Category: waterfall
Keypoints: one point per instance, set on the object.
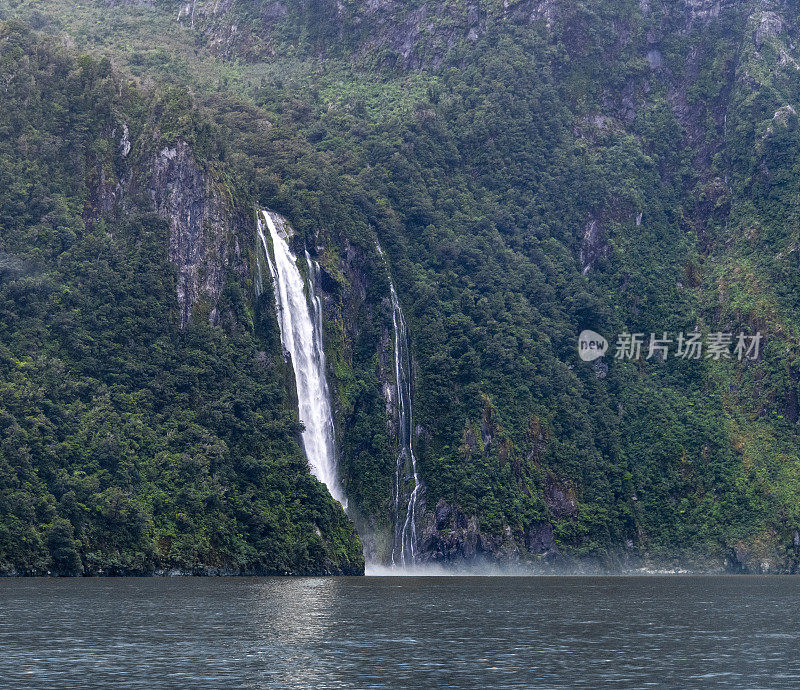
(405, 530)
(300, 322)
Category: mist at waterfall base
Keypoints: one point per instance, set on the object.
(483, 567)
(473, 569)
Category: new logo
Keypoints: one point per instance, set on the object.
(591, 346)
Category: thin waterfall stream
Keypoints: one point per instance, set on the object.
(405, 531)
(300, 321)
(299, 313)
(404, 550)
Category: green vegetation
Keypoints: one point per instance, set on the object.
(480, 171)
(125, 439)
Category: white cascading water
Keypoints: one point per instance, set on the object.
(300, 321)
(405, 530)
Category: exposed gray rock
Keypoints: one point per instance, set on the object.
(593, 246)
(559, 499)
(443, 513)
(201, 241)
(737, 560)
(769, 25)
(540, 540)
(533, 10)
(654, 58)
(707, 10)
(451, 536)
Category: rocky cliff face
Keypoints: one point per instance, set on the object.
(409, 35)
(450, 536)
(204, 222)
(413, 35)
(202, 243)
(203, 219)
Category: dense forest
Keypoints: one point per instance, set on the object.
(129, 443)
(529, 169)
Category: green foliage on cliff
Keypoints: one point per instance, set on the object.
(482, 193)
(585, 165)
(126, 443)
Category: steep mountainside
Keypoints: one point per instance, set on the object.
(135, 435)
(529, 169)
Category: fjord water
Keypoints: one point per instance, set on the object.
(356, 632)
(300, 322)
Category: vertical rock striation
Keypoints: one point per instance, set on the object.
(202, 244)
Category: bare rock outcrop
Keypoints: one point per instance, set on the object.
(202, 243)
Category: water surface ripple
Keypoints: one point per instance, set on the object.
(358, 632)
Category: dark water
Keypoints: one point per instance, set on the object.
(423, 632)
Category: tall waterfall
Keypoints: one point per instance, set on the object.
(405, 528)
(300, 321)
